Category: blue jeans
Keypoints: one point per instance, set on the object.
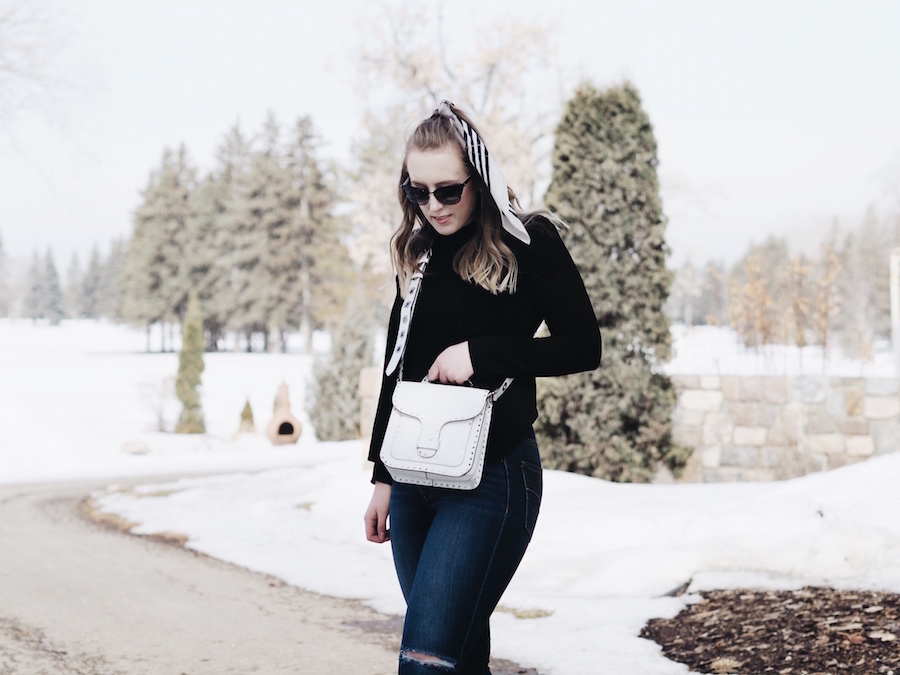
(455, 552)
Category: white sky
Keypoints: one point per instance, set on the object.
(770, 116)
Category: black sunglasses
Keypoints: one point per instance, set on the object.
(448, 195)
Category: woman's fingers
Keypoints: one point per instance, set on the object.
(453, 365)
(376, 527)
(377, 514)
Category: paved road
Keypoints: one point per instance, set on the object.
(76, 597)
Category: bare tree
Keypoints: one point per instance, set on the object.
(687, 288)
(826, 299)
(752, 304)
(797, 286)
(406, 65)
(33, 37)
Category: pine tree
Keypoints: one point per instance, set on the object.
(202, 270)
(687, 290)
(865, 259)
(614, 422)
(109, 298)
(212, 233)
(190, 369)
(90, 285)
(73, 293)
(52, 300)
(34, 292)
(257, 215)
(712, 306)
(333, 400)
(154, 287)
(317, 269)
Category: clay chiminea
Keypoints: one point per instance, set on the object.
(283, 428)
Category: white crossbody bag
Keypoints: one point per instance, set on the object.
(437, 433)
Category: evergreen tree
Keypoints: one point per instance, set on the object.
(314, 268)
(90, 285)
(864, 285)
(712, 305)
(202, 271)
(685, 295)
(257, 216)
(333, 399)
(153, 283)
(52, 300)
(212, 232)
(34, 291)
(73, 294)
(190, 369)
(109, 292)
(614, 422)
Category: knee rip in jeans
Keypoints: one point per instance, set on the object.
(428, 660)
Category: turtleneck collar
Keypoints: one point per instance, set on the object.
(453, 242)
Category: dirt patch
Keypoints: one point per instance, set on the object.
(25, 649)
(89, 509)
(812, 631)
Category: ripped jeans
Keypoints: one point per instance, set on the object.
(455, 552)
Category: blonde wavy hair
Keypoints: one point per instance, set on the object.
(486, 259)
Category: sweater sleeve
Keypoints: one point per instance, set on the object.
(388, 383)
(555, 287)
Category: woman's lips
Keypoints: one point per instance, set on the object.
(442, 220)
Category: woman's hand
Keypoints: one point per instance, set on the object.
(377, 514)
(453, 365)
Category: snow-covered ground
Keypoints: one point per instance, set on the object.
(603, 557)
(711, 350)
(82, 399)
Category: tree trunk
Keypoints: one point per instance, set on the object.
(306, 311)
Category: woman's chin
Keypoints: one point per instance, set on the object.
(445, 227)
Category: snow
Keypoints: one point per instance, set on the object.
(72, 397)
(712, 350)
(603, 557)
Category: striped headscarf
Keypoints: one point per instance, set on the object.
(488, 169)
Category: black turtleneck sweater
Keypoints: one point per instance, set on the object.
(500, 332)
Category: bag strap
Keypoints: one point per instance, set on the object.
(406, 312)
(406, 317)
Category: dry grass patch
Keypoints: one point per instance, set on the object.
(90, 510)
(524, 613)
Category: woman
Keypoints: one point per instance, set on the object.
(494, 275)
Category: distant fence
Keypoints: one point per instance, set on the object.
(765, 428)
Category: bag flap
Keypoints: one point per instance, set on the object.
(448, 402)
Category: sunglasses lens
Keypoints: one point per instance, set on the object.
(417, 195)
(449, 195)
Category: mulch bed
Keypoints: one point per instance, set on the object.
(812, 631)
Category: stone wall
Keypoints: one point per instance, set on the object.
(765, 428)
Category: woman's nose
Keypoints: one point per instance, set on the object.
(434, 204)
